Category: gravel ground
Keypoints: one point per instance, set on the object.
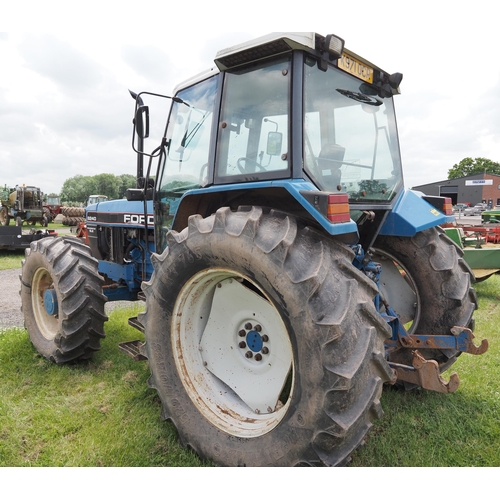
(10, 300)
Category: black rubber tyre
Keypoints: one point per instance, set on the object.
(48, 214)
(226, 277)
(65, 267)
(4, 216)
(432, 266)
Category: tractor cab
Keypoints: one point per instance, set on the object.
(290, 118)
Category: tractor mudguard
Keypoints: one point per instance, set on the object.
(298, 191)
(412, 214)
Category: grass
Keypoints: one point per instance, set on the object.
(423, 428)
(11, 259)
(99, 413)
(102, 413)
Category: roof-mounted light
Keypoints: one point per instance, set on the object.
(334, 45)
(331, 48)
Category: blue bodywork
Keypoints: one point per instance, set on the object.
(412, 214)
(127, 220)
(409, 214)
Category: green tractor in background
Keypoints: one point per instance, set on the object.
(23, 204)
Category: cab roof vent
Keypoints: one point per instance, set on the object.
(253, 54)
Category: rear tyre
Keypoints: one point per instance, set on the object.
(263, 341)
(428, 283)
(62, 299)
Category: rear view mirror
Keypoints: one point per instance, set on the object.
(142, 121)
(274, 143)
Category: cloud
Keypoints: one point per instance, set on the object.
(65, 108)
(441, 126)
(150, 62)
(61, 114)
(69, 69)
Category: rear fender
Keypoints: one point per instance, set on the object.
(412, 214)
(283, 195)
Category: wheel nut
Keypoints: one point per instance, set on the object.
(265, 338)
(248, 326)
(242, 333)
(258, 357)
(265, 350)
(257, 328)
(242, 345)
(248, 354)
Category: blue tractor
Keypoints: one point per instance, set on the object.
(286, 272)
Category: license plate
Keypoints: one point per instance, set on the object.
(356, 68)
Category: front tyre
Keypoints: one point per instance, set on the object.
(62, 299)
(263, 341)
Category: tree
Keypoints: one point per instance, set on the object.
(469, 166)
(126, 181)
(106, 184)
(78, 188)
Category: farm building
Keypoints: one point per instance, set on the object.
(472, 189)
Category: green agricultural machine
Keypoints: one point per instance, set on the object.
(481, 248)
(23, 204)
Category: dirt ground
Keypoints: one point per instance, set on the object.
(10, 300)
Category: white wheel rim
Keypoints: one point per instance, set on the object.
(399, 289)
(233, 352)
(46, 324)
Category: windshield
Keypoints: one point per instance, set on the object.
(350, 138)
(188, 133)
(184, 164)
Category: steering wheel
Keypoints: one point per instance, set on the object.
(244, 169)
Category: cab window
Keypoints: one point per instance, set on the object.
(253, 130)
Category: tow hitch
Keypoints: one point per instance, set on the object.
(424, 372)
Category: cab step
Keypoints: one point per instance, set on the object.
(133, 349)
(135, 323)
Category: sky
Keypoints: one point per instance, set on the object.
(66, 67)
